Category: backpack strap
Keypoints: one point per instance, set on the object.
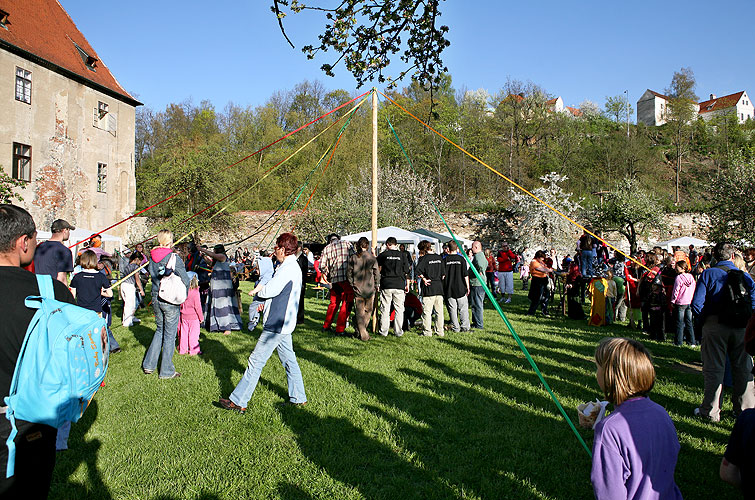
(46, 290)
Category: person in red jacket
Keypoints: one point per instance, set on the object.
(506, 260)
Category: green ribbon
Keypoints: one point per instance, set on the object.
(497, 306)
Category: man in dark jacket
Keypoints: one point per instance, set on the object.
(720, 339)
(394, 285)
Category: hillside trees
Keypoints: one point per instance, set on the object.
(680, 110)
(628, 209)
(732, 211)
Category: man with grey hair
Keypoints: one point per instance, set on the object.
(721, 337)
(476, 290)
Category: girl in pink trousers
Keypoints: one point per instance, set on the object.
(191, 318)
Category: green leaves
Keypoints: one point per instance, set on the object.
(8, 186)
(365, 34)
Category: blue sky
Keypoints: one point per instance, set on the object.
(166, 51)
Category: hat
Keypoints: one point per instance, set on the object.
(59, 224)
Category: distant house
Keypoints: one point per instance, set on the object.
(556, 105)
(652, 107)
(67, 125)
(738, 104)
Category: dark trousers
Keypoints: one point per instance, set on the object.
(300, 314)
(538, 295)
(35, 460)
(656, 325)
(341, 300)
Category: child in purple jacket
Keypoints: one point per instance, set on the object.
(635, 447)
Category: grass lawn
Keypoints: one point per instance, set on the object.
(457, 417)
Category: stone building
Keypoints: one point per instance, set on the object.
(652, 107)
(66, 124)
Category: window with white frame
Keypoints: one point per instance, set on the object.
(23, 85)
(102, 177)
(21, 162)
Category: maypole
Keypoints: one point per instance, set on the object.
(374, 169)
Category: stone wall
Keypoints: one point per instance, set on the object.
(487, 227)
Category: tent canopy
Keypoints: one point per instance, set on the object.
(81, 233)
(432, 234)
(401, 235)
(684, 241)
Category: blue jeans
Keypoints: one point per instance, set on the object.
(166, 319)
(587, 257)
(477, 296)
(267, 343)
(254, 314)
(684, 324)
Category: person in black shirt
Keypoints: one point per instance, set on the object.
(430, 270)
(456, 288)
(90, 284)
(304, 266)
(35, 443)
(394, 285)
(52, 256)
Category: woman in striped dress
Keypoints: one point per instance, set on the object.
(223, 309)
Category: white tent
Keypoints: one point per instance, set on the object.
(684, 242)
(401, 235)
(467, 243)
(82, 234)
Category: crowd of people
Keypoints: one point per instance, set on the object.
(635, 447)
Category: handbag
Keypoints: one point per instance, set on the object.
(172, 288)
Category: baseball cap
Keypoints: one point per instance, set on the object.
(59, 224)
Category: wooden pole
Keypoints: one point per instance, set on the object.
(374, 169)
(374, 193)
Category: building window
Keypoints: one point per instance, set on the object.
(102, 109)
(89, 61)
(23, 85)
(102, 177)
(3, 19)
(21, 162)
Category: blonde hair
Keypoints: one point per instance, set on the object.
(739, 261)
(194, 283)
(627, 369)
(88, 260)
(165, 238)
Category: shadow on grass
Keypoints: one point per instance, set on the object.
(288, 491)
(202, 496)
(445, 440)
(80, 452)
(224, 362)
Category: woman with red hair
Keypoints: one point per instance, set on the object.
(281, 295)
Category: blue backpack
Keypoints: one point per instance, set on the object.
(61, 365)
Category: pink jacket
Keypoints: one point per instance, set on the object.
(684, 289)
(192, 308)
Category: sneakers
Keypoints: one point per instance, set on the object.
(227, 404)
(175, 375)
(698, 414)
(507, 301)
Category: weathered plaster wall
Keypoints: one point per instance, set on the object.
(66, 148)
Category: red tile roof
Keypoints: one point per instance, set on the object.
(42, 31)
(574, 111)
(658, 95)
(722, 102)
(552, 101)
